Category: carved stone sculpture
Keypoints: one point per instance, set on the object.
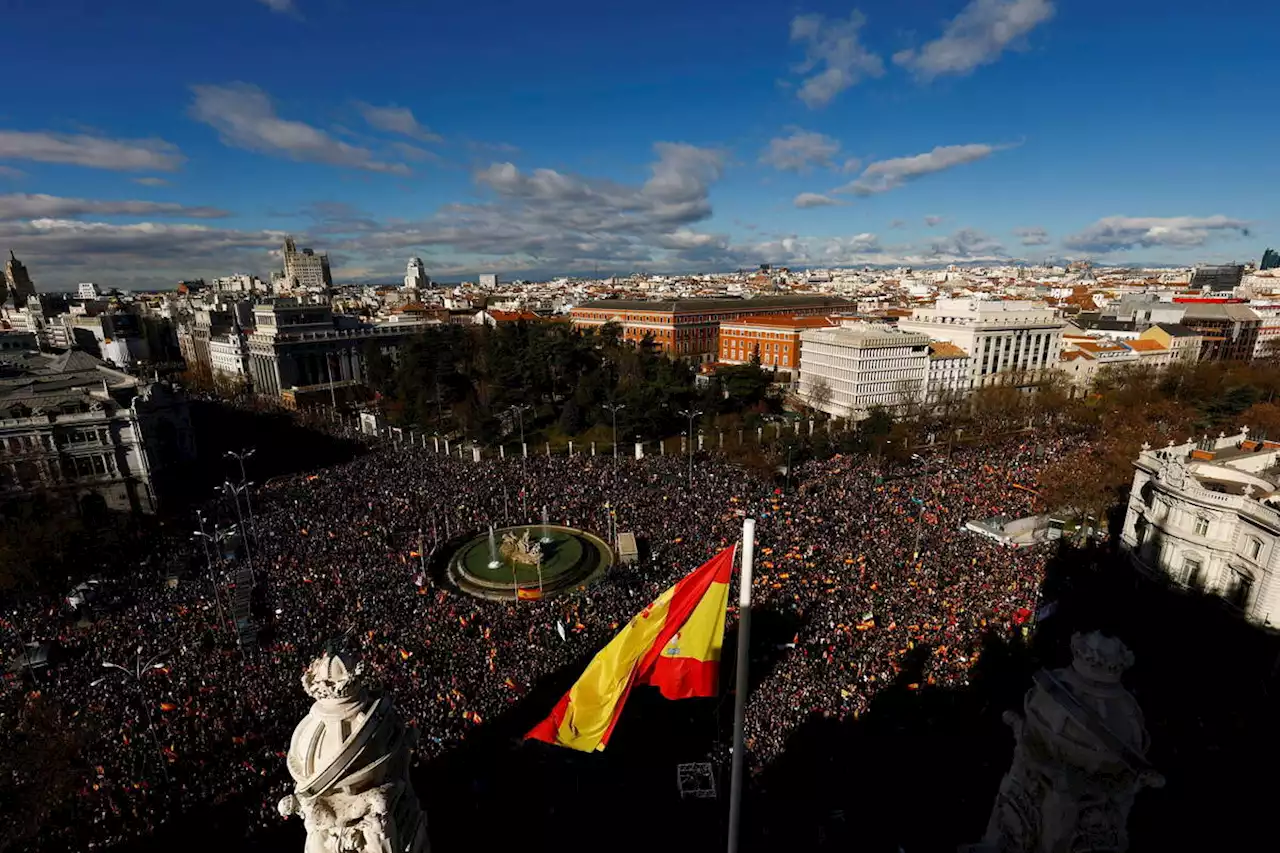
(522, 550)
(1078, 761)
(349, 759)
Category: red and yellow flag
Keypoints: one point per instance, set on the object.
(673, 644)
(523, 594)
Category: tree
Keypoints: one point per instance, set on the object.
(819, 395)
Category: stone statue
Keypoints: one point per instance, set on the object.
(1078, 760)
(349, 759)
(522, 550)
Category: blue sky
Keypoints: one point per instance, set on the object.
(146, 141)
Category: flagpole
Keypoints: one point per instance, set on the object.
(740, 682)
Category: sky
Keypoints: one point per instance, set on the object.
(146, 141)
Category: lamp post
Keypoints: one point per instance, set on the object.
(135, 675)
(613, 408)
(690, 414)
(240, 457)
(235, 497)
(205, 539)
(524, 461)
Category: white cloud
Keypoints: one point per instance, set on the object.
(38, 206)
(245, 118)
(1116, 233)
(851, 165)
(95, 152)
(1032, 236)
(556, 220)
(10, 172)
(151, 182)
(394, 119)
(814, 200)
(884, 175)
(932, 220)
(284, 7)
(977, 36)
(800, 151)
(61, 252)
(967, 244)
(835, 58)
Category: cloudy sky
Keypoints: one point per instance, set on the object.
(144, 141)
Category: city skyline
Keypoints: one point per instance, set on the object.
(532, 142)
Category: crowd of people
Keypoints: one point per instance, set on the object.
(868, 560)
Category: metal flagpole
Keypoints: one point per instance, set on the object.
(740, 682)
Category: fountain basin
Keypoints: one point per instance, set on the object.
(572, 558)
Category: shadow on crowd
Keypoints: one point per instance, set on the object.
(918, 771)
(282, 445)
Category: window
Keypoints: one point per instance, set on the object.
(1193, 572)
(1255, 548)
(1202, 526)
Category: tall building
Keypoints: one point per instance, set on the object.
(845, 371)
(1008, 342)
(488, 281)
(1270, 260)
(415, 276)
(87, 290)
(305, 269)
(1229, 330)
(1205, 515)
(20, 286)
(775, 338)
(1219, 278)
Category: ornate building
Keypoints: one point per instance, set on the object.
(1079, 759)
(73, 429)
(1206, 515)
(349, 759)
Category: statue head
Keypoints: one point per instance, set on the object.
(1099, 657)
(333, 675)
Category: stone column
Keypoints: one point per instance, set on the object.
(1079, 758)
(639, 450)
(475, 453)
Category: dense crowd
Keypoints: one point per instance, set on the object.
(866, 559)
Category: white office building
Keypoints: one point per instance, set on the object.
(415, 276)
(303, 268)
(1008, 342)
(87, 290)
(1206, 515)
(488, 281)
(847, 370)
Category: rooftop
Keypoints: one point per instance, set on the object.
(782, 321)
(694, 306)
(943, 349)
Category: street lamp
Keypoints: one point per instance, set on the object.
(690, 414)
(235, 497)
(205, 539)
(240, 457)
(135, 675)
(614, 407)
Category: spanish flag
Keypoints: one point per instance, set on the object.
(673, 644)
(523, 594)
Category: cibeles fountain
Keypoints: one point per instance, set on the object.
(349, 759)
(1079, 759)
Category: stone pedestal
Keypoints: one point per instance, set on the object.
(349, 759)
(1079, 761)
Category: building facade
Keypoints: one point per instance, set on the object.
(1229, 330)
(847, 370)
(299, 347)
(775, 339)
(78, 432)
(20, 286)
(1205, 515)
(415, 275)
(948, 380)
(303, 268)
(689, 328)
(1221, 278)
(1009, 343)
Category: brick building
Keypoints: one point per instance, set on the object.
(690, 328)
(775, 337)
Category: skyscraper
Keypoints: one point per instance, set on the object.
(305, 269)
(415, 276)
(20, 286)
(1270, 260)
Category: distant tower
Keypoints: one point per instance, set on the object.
(415, 276)
(20, 286)
(304, 268)
(1270, 260)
